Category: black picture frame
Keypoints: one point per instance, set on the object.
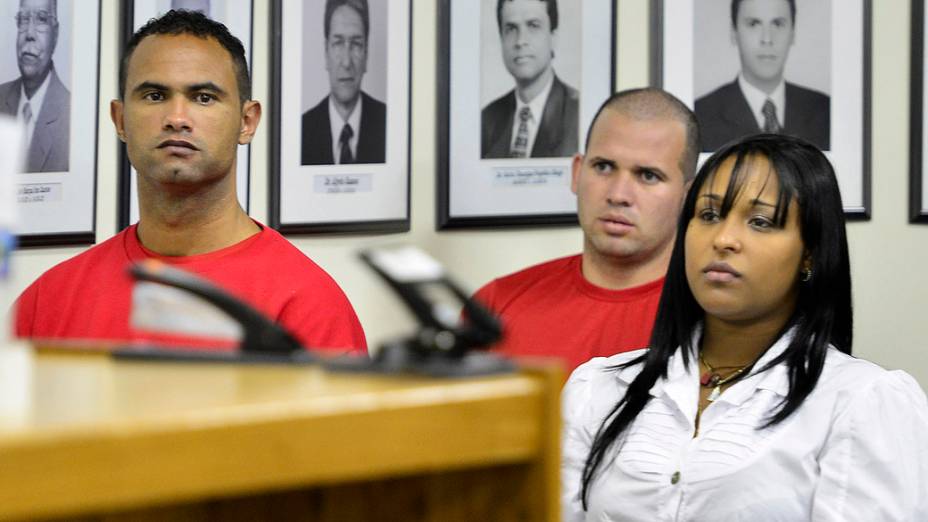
(382, 203)
(918, 203)
(853, 161)
(58, 208)
(448, 162)
(127, 198)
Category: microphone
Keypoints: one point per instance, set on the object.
(262, 339)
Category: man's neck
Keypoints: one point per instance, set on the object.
(528, 91)
(345, 110)
(614, 274)
(765, 86)
(191, 224)
(31, 85)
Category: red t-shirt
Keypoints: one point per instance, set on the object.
(552, 310)
(89, 296)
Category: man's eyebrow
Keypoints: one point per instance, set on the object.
(206, 86)
(650, 168)
(196, 87)
(600, 159)
(150, 86)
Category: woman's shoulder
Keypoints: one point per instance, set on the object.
(601, 381)
(856, 378)
(599, 368)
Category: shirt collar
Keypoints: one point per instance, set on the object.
(536, 104)
(676, 369)
(775, 379)
(757, 97)
(35, 103)
(681, 384)
(354, 120)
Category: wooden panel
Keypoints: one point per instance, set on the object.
(494, 493)
(111, 437)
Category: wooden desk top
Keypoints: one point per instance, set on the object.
(98, 434)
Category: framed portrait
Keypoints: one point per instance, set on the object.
(797, 67)
(341, 74)
(517, 89)
(51, 61)
(918, 140)
(237, 16)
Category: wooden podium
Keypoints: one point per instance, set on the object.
(101, 439)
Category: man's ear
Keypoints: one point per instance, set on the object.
(251, 116)
(116, 114)
(575, 171)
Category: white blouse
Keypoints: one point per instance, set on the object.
(856, 450)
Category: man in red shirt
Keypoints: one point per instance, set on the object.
(185, 105)
(639, 159)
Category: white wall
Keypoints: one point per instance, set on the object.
(889, 256)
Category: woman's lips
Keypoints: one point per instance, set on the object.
(718, 272)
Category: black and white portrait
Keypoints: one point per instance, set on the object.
(530, 72)
(200, 6)
(762, 66)
(35, 75)
(344, 118)
(518, 84)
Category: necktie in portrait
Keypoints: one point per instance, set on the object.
(344, 138)
(771, 124)
(520, 146)
(27, 136)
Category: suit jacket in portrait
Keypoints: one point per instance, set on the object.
(317, 133)
(724, 115)
(49, 150)
(557, 133)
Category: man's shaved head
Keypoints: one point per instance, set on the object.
(650, 103)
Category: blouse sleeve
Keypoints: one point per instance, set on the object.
(874, 465)
(576, 436)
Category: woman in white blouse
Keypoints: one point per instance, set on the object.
(748, 405)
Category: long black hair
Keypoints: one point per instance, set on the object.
(823, 307)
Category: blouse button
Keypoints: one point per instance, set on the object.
(675, 477)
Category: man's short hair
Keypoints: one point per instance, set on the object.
(736, 4)
(651, 103)
(178, 22)
(358, 5)
(550, 4)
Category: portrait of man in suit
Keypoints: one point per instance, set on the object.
(539, 117)
(348, 125)
(38, 99)
(200, 6)
(760, 99)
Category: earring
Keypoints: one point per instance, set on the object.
(805, 275)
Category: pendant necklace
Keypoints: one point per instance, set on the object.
(713, 379)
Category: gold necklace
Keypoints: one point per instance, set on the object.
(712, 378)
